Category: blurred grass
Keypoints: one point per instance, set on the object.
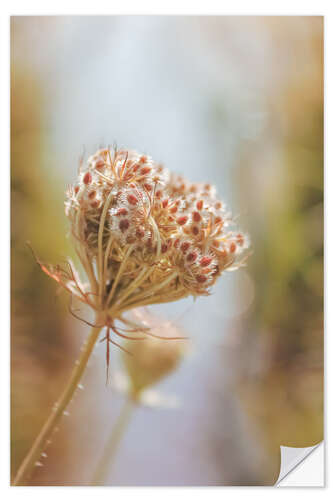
(282, 391)
(39, 348)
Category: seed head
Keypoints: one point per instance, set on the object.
(146, 236)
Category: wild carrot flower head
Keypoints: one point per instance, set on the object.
(147, 236)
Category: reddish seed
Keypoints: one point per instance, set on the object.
(136, 167)
(145, 170)
(124, 225)
(207, 187)
(199, 204)
(193, 188)
(92, 195)
(205, 261)
(233, 247)
(218, 220)
(87, 178)
(158, 194)
(176, 243)
(99, 164)
(192, 256)
(173, 210)
(218, 205)
(195, 230)
(132, 200)
(148, 187)
(185, 246)
(122, 211)
(240, 239)
(201, 278)
(182, 220)
(143, 159)
(165, 203)
(140, 232)
(196, 216)
(76, 189)
(164, 247)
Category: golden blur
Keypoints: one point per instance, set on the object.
(40, 345)
(283, 395)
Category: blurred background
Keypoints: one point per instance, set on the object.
(236, 101)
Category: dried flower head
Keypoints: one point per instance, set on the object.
(144, 236)
(154, 358)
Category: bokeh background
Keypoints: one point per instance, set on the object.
(236, 101)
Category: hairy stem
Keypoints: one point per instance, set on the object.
(37, 448)
(112, 444)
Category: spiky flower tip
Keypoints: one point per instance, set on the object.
(143, 235)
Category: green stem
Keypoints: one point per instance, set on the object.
(39, 445)
(112, 444)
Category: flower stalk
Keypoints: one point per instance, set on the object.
(111, 447)
(58, 409)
